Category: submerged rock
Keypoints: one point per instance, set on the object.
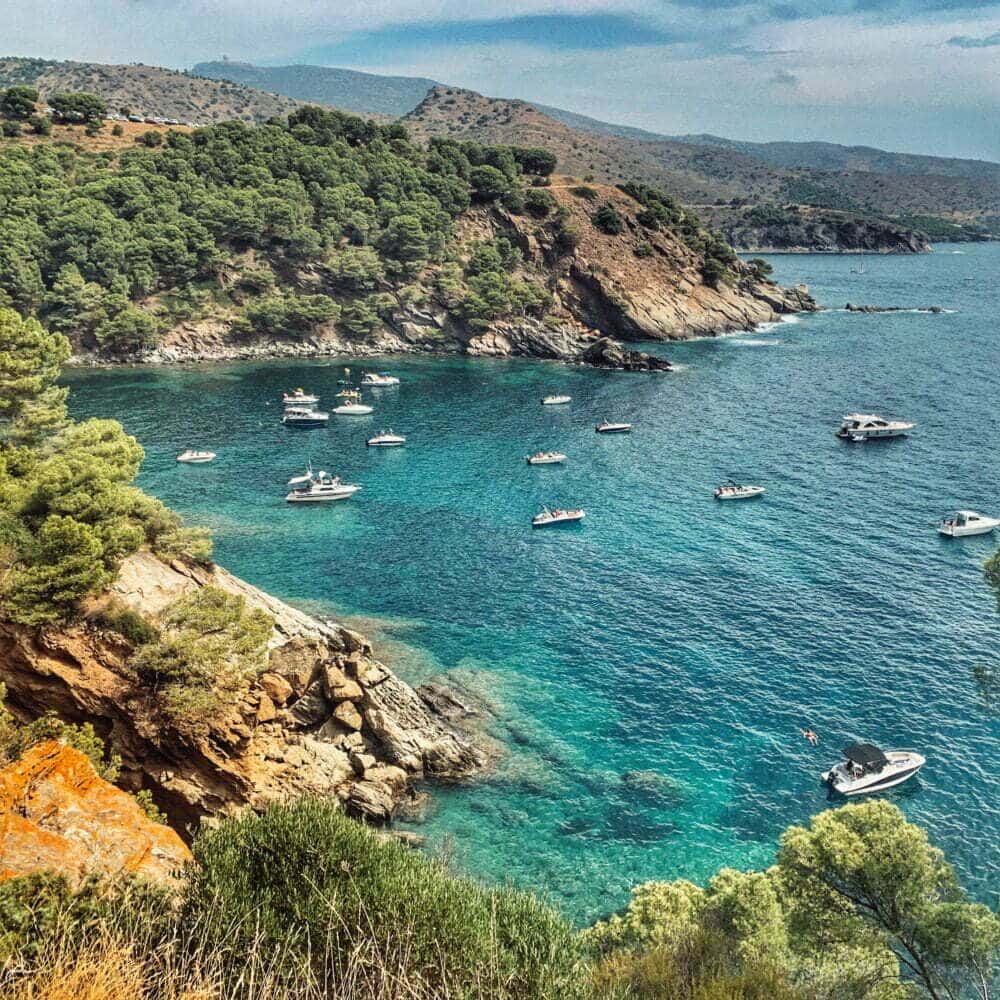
(851, 308)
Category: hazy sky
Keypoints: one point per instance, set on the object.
(915, 75)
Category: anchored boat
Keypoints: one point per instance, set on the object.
(611, 427)
(550, 517)
(386, 439)
(299, 397)
(962, 523)
(319, 487)
(351, 405)
(546, 458)
(555, 400)
(866, 769)
(303, 416)
(191, 457)
(731, 490)
(869, 427)
(379, 379)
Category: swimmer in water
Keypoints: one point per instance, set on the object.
(810, 736)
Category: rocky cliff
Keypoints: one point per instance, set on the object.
(324, 717)
(57, 814)
(639, 284)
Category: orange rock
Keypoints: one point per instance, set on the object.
(57, 814)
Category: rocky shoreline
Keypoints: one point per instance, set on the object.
(324, 718)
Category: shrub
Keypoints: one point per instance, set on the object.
(127, 623)
(117, 129)
(608, 221)
(539, 202)
(11, 129)
(644, 249)
(584, 192)
(150, 139)
(361, 900)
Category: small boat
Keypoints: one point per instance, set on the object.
(555, 400)
(962, 523)
(546, 458)
(377, 379)
(352, 405)
(319, 487)
(386, 439)
(191, 457)
(299, 397)
(304, 416)
(548, 517)
(866, 769)
(610, 427)
(731, 490)
(869, 427)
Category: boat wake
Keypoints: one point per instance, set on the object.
(753, 342)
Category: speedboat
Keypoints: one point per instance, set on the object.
(546, 458)
(866, 769)
(868, 426)
(195, 457)
(299, 397)
(304, 416)
(548, 517)
(962, 523)
(737, 491)
(555, 400)
(379, 379)
(352, 405)
(319, 487)
(610, 427)
(386, 439)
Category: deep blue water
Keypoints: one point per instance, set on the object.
(669, 633)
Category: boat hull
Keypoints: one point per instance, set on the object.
(903, 766)
(304, 424)
(625, 429)
(555, 522)
(328, 498)
(966, 532)
(547, 461)
(385, 444)
(747, 495)
(353, 411)
(877, 434)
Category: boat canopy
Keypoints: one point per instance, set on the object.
(866, 755)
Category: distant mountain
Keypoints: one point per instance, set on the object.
(831, 156)
(149, 90)
(348, 89)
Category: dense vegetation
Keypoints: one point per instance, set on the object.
(69, 512)
(338, 212)
(304, 903)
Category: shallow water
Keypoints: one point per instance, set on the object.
(668, 634)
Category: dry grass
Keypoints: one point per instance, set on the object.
(103, 142)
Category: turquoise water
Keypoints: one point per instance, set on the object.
(668, 634)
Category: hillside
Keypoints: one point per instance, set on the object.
(149, 90)
(348, 89)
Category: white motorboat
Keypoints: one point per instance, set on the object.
(300, 398)
(546, 458)
(738, 491)
(868, 427)
(319, 487)
(866, 769)
(555, 400)
(548, 517)
(379, 379)
(191, 457)
(611, 427)
(304, 416)
(351, 405)
(962, 523)
(386, 439)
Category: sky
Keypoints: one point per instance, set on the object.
(918, 76)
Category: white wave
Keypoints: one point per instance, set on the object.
(753, 342)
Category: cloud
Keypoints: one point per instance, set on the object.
(971, 42)
(784, 79)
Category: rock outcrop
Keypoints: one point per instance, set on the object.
(57, 814)
(325, 718)
(851, 308)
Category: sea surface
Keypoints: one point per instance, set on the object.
(649, 671)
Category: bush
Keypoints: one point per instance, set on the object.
(539, 202)
(306, 883)
(127, 623)
(608, 221)
(150, 138)
(584, 192)
(117, 130)
(11, 129)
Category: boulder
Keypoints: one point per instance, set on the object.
(347, 713)
(311, 708)
(57, 813)
(370, 800)
(266, 712)
(276, 688)
(361, 762)
(337, 686)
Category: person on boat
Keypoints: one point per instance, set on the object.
(810, 736)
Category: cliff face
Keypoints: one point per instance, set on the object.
(640, 284)
(57, 814)
(325, 718)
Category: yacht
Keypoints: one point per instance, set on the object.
(866, 769)
(319, 487)
(351, 405)
(731, 490)
(386, 439)
(546, 458)
(546, 517)
(555, 400)
(962, 523)
(379, 379)
(610, 427)
(299, 397)
(304, 416)
(867, 427)
(192, 457)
